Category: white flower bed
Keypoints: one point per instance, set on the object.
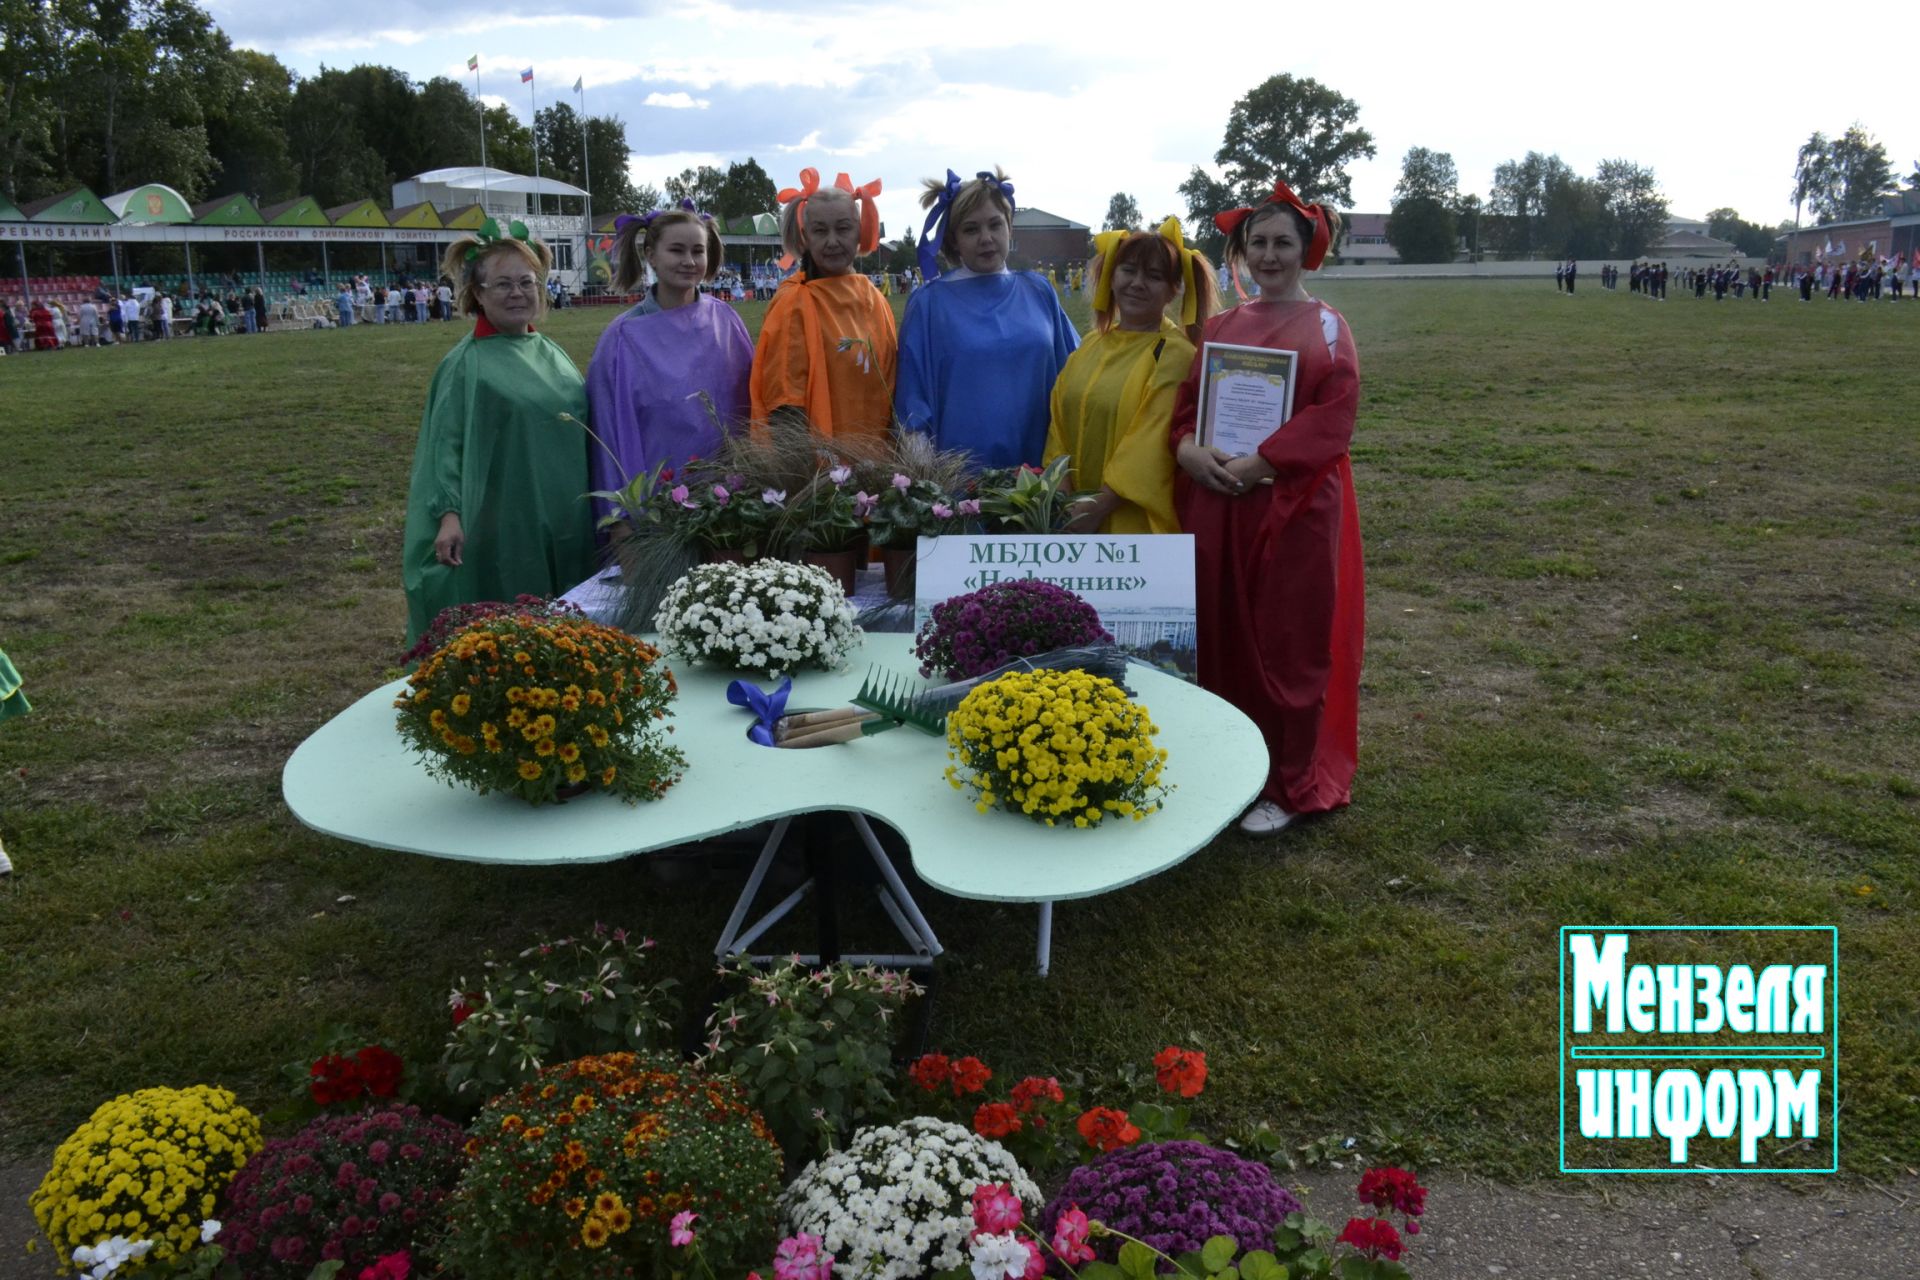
(770, 616)
(897, 1202)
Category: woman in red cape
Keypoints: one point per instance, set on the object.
(1276, 532)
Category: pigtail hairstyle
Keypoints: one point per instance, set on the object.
(1188, 269)
(793, 214)
(637, 236)
(461, 264)
(952, 202)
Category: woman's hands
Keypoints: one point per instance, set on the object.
(1090, 510)
(452, 539)
(1215, 469)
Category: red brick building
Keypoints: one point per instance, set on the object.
(1042, 239)
(1894, 234)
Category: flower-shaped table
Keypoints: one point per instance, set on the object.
(354, 778)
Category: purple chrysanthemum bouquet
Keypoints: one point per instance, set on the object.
(972, 634)
(1175, 1196)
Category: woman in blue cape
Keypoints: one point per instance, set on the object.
(980, 346)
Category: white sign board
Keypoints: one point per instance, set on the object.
(1141, 585)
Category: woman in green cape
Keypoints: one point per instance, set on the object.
(497, 506)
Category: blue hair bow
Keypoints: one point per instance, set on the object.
(935, 229)
(766, 707)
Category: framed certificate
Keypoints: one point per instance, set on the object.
(1246, 394)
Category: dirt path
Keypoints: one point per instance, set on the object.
(1727, 1228)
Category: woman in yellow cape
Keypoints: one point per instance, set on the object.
(1113, 402)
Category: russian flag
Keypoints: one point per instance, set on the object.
(526, 75)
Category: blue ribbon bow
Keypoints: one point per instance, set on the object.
(935, 229)
(766, 707)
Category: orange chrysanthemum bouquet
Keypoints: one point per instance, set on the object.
(544, 707)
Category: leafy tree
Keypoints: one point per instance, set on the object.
(1123, 213)
(1862, 177)
(1422, 226)
(1575, 221)
(1297, 130)
(1518, 201)
(702, 186)
(332, 160)
(1466, 214)
(1753, 240)
(1631, 197)
(248, 138)
(1205, 196)
(30, 58)
(1812, 173)
(1428, 173)
(447, 130)
(745, 190)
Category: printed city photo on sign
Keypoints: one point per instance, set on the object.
(1699, 1049)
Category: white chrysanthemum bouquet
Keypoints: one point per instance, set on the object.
(770, 616)
(898, 1201)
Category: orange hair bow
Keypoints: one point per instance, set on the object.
(1107, 244)
(863, 203)
(1283, 195)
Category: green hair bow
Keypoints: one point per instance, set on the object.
(490, 234)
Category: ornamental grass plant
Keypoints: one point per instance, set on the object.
(896, 1203)
(769, 617)
(970, 635)
(529, 705)
(347, 1187)
(1057, 747)
(147, 1166)
(579, 1173)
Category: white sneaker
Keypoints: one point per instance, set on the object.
(1265, 818)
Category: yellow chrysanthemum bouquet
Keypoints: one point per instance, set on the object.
(147, 1166)
(532, 704)
(1058, 747)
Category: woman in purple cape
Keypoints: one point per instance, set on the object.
(669, 377)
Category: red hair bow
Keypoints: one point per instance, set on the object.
(1283, 195)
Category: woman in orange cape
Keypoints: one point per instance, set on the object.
(826, 348)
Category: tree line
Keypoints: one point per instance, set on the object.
(113, 94)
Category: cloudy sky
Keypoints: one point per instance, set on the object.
(1081, 100)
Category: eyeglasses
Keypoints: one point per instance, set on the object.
(506, 288)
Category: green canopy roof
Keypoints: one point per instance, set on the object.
(10, 212)
(755, 224)
(357, 213)
(228, 211)
(77, 205)
(155, 202)
(418, 216)
(301, 212)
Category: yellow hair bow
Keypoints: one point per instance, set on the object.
(1107, 244)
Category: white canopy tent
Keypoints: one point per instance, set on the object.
(503, 194)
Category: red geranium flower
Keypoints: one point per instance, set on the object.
(930, 1071)
(996, 1120)
(1029, 1093)
(380, 1069)
(1391, 1188)
(464, 1005)
(1181, 1071)
(1374, 1237)
(1107, 1130)
(970, 1075)
(334, 1080)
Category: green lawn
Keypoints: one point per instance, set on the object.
(1642, 619)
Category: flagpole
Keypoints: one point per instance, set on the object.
(539, 203)
(485, 186)
(586, 164)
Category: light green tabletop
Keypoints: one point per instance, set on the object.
(355, 779)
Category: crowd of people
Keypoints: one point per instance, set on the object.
(1862, 280)
(984, 361)
(360, 300)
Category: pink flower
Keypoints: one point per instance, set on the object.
(392, 1266)
(970, 506)
(840, 475)
(679, 494)
(799, 1258)
(720, 494)
(682, 1227)
(863, 504)
(774, 497)
(996, 1210)
(901, 482)
(1070, 1237)
(942, 511)
(1036, 1260)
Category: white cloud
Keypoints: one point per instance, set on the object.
(677, 101)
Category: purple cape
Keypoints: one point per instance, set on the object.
(645, 385)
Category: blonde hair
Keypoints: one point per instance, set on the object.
(966, 202)
(792, 235)
(465, 272)
(639, 238)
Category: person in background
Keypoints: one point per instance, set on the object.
(1277, 557)
(497, 506)
(981, 345)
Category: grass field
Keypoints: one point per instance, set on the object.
(1642, 619)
